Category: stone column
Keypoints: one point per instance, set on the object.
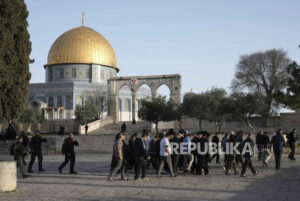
(58, 117)
(133, 105)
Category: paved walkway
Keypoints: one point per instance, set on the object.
(91, 183)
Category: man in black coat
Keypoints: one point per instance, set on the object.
(216, 141)
(175, 156)
(203, 156)
(292, 143)
(230, 155)
(278, 142)
(265, 140)
(258, 144)
(248, 149)
(140, 157)
(68, 151)
(25, 143)
(36, 150)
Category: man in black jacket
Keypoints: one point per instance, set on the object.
(140, 157)
(36, 150)
(216, 141)
(292, 142)
(265, 140)
(278, 142)
(25, 143)
(258, 144)
(248, 149)
(68, 151)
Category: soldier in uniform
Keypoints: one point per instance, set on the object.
(25, 144)
(36, 150)
(68, 151)
(19, 152)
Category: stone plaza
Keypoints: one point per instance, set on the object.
(91, 183)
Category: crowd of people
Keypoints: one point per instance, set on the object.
(141, 153)
(170, 152)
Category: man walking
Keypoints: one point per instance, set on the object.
(278, 143)
(258, 144)
(140, 156)
(175, 156)
(36, 150)
(188, 157)
(248, 148)
(266, 155)
(19, 152)
(165, 155)
(118, 157)
(292, 143)
(25, 144)
(215, 140)
(239, 156)
(68, 151)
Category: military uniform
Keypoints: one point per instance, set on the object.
(36, 151)
(19, 152)
(68, 151)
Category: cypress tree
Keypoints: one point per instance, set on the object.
(15, 48)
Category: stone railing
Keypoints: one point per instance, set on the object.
(96, 125)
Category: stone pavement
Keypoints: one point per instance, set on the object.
(91, 183)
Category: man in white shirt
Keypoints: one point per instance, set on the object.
(165, 155)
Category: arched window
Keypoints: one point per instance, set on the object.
(68, 102)
(127, 105)
(120, 104)
(59, 101)
(50, 101)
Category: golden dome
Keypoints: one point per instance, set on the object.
(82, 45)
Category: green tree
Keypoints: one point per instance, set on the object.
(87, 113)
(217, 107)
(97, 98)
(15, 49)
(264, 73)
(194, 106)
(31, 115)
(291, 97)
(247, 105)
(158, 109)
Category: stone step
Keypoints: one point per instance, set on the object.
(5, 147)
(130, 128)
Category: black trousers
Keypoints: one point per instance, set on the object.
(69, 157)
(152, 161)
(277, 159)
(217, 157)
(248, 163)
(34, 154)
(230, 161)
(140, 164)
(239, 160)
(292, 154)
(175, 159)
(202, 163)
